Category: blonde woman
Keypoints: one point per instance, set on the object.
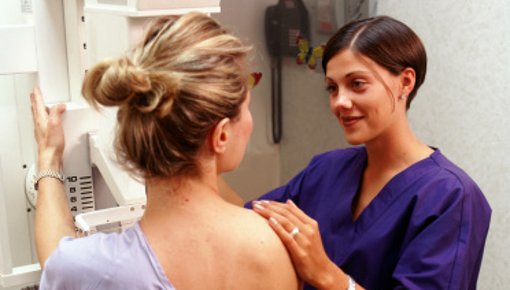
(183, 119)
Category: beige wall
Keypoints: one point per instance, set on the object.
(463, 106)
(260, 169)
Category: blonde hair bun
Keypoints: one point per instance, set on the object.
(119, 82)
(186, 75)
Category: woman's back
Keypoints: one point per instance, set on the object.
(220, 246)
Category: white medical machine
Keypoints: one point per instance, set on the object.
(51, 44)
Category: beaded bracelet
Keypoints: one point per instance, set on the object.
(48, 173)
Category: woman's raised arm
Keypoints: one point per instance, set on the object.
(53, 219)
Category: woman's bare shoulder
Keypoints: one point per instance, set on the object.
(263, 251)
(253, 228)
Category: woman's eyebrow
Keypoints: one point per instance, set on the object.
(361, 72)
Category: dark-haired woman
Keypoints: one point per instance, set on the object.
(393, 213)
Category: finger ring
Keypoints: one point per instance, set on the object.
(294, 232)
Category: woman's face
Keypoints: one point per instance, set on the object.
(363, 96)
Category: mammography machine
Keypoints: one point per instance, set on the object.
(51, 44)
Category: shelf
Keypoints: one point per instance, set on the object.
(132, 12)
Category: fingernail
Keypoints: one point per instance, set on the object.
(258, 206)
(273, 221)
(264, 201)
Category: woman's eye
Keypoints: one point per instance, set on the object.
(330, 88)
(358, 84)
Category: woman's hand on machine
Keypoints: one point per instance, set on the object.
(48, 131)
(53, 219)
(300, 234)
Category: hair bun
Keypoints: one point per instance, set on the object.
(120, 83)
(158, 96)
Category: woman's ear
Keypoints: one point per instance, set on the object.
(220, 136)
(408, 79)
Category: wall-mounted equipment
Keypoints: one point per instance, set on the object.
(284, 22)
(330, 16)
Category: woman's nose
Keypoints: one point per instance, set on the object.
(341, 101)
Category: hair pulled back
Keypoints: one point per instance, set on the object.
(186, 75)
(388, 42)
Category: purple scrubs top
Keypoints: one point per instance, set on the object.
(426, 228)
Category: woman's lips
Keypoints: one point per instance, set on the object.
(350, 121)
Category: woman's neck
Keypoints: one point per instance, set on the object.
(170, 199)
(396, 149)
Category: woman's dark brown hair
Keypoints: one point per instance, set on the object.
(388, 42)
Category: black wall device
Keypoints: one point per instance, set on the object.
(283, 23)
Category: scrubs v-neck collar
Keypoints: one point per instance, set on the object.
(389, 192)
